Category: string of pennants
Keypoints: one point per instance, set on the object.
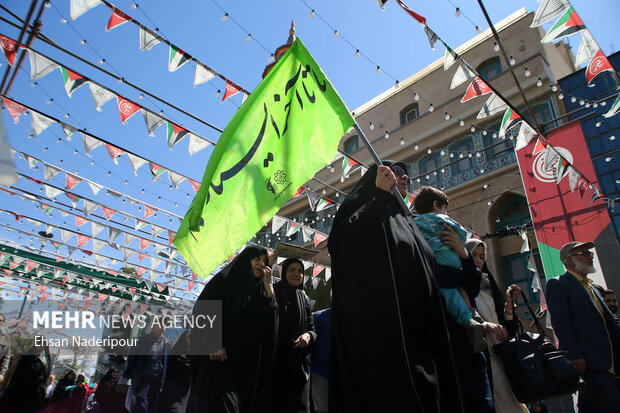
(99, 277)
(40, 122)
(41, 65)
(141, 272)
(497, 103)
(177, 57)
(120, 283)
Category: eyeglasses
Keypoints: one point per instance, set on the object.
(398, 171)
(584, 253)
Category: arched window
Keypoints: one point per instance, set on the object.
(515, 212)
(409, 113)
(464, 148)
(499, 147)
(490, 68)
(351, 145)
(429, 168)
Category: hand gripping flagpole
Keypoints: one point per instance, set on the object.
(395, 191)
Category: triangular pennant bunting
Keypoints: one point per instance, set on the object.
(231, 90)
(117, 18)
(462, 75)
(477, 88)
(196, 144)
(568, 24)
(71, 80)
(126, 108)
(152, 121)
(39, 122)
(177, 58)
(598, 65)
(203, 74)
(547, 10)
(148, 38)
(100, 95)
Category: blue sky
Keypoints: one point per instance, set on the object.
(389, 38)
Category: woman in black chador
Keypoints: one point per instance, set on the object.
(291, 376)
(235, 378)
(389, 351)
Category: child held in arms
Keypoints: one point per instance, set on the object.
(432, 205)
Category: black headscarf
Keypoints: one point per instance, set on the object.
(389, 343)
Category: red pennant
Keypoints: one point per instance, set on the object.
(87, 252)
(161, 287)
(13, 265)
(102, 296)
(144, 243)
(140, 270)
(72, 181)
(317, 269)
(195, 185)
(31, 265)
(14, 108)
(82, 239)
(148, 211)
(9, 49)
(231, 90)
(117, 18)
(477, 88)
(539, 147)
(114, 152)
(8, 272)
(126, 108)
(420, 19)
(598, 65)
(190, 285)
(141, 256)
(132, 290)
(79, 221)
(171, 235)
(299, 191)
(194, 275)
(108, 212)
(318, 238)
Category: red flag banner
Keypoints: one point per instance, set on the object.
(420, 19)
(126, 108)
(117, 18)
(9, 49)
(598, 65)
(558, 214)
(477, 88)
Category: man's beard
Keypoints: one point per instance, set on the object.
(584, 268)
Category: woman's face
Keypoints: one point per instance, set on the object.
(258, 263)
(478, 255)
(294, 274)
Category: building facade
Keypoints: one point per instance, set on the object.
(422, 122)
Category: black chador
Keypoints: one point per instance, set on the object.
(389, 344)
(249, 330)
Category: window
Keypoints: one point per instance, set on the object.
(543, 112)
(428, 168)
(515, 212)
(496, 146)
(351, 145)
(490, 68)
(516, 272)
(464, 148)
(409, 114)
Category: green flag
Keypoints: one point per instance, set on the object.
(287, 129)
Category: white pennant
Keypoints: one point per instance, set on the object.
(573, 178)
(175, 178)
(203, 75)
(97, 228)
(196, 144)
(136, 162)
(155, 262)
(100, 95)
(276, 223)
(492, 106)
(39, 65)
(127, 253)
(148, 38)
(79, 7)
(52, 192)
(98, 244)
(89, 207)
(315, 282)
(68, 130)
(94, 187)
(551, 157)
(65, 235)
(587, 49)
(308, 233)
(155, 232)
(50, 171)
(526, 134)
(129, 238)
(90, 143)
(449, 58)
(39, 122)
(152, 121)
(462, 75)
(99, 259)
(547, 10)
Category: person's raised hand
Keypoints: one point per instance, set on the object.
(385, 178)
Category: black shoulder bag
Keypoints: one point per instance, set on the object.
(535, 368)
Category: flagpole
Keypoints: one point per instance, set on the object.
(399, 197)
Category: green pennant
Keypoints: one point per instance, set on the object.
(287, 129)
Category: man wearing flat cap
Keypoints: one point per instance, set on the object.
(585, 328)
